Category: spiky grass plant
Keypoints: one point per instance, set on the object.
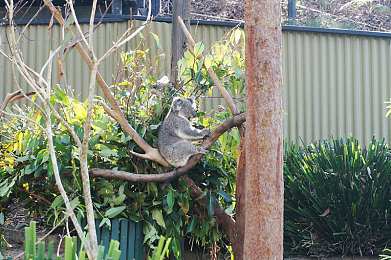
(337, 198)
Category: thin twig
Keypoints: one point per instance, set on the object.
(34, 195)
(119, 44)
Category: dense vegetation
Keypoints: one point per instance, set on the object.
(27, 173)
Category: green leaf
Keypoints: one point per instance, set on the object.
(170, 200)
(158, 216)
(135, 217)
(111, 213)
(225, 196)
(99, 125)
(192, 224)
(108, 153)
(67, 39)
(119, 199)
(202, 195)
(61, 96)
(58, 201)
(149, 231)
(198, 48)
(158, 43)
(69, 21)
(105, 221)
(210, 204)
(184, 205)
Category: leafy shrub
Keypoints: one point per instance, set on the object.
(25, 161)
(337, 198)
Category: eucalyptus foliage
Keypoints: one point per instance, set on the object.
(337, 198)
(170, 212)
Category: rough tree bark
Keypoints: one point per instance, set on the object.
(263, 180)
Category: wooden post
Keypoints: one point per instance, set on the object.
(178, 41)
(263, 181)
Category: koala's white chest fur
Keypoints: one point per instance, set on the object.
(176, 133)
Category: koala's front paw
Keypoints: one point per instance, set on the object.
(206, 132)
(203, 150)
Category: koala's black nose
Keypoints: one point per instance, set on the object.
(194, 113)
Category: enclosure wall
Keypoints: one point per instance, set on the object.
(334, 84)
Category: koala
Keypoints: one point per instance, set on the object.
(176, 133)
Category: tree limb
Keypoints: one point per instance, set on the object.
(169, 176)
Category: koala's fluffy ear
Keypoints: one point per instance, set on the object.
(177, 104)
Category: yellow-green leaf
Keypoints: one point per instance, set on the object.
(208, 61)
(80, 111)
(158, 216)
(198, 48)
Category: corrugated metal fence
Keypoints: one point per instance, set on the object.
(334, 83)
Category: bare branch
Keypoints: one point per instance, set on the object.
(7, 100)
(169, 176)
(90, 45)
(77, 22)
(116, 113)
(49, 61)
(211, 73)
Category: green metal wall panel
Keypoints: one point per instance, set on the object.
(334, 84)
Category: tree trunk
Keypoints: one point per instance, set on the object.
(263, 180)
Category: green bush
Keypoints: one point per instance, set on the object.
(26, 168)
(337, 198)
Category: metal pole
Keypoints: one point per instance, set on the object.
(292, 12)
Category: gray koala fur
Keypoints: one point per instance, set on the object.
(176, 133)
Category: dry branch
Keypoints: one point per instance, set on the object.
(169, 176)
